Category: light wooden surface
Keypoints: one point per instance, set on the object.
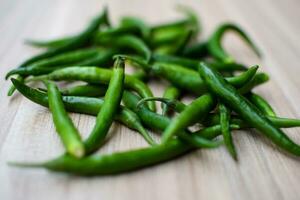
(263, 172)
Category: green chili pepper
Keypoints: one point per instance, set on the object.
(171, 92)
(197, 51)
(160, 122)
(258, 79)
(127, 25)
(175, 47)
(165, 33)
(215, 47)
(144, 30)
(239, 104)
(186, 62)
(87, 90)
(225, 129)
(85, 105)
(114, 163)
(64, 125)
(60, 60)
(109, 109)
(96, 75)
(102, 59)
(127, 42)
(187, 79)
(77, 42)
(261, 104)
(279, 122)
(194, 112)
(214, 119)
(214, 131)
(54, 43)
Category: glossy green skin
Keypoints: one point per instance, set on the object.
(84, 105)
(97, 75)
(118, 162)
(193, 64)
(123, 161)
(126, 42)
(215, 47)
(194, 112)
(50, 64)
(103, 59)
(128, 25)
(258, 79)
(239, 104)
(214, 119)
(144, 30)
(279, 122)
(196, 51)
(261, 104)
(177, 46)
(160, 122)
(86, 90)
(171, 92)
(166, 37)
(225, 129)
(214, 131)
(169, 32)
(77, 42)
(64, 126)
(188, 80)
(109, 109)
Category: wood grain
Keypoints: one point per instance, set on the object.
(263, 172)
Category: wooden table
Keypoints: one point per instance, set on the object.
(262, 172)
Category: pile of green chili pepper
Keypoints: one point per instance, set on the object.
(222, 88)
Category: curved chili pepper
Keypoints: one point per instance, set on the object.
(160, 122)
(77, 42)
(215, 47)
(194, 112)
(85, 105)
(96, 75)
(239, 104)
